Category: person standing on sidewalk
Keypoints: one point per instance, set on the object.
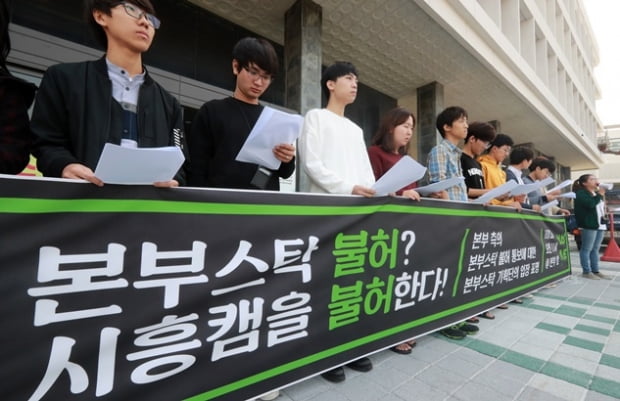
(589, 211)
(333, 154)
(389, 144)
(444, 162)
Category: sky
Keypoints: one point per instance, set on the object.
(603, 16)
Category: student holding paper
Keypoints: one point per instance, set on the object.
(444, 159)
(222, 126)
(479, 138)
(81, 106)
(540, 169)
(333, 154)
(444, 163)
(391, 143)
(494, 175)
(520, 158)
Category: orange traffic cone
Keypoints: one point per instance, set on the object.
(612, 253)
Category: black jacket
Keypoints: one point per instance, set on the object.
(16, 96)
(75, 115)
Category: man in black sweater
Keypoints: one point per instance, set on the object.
(222, 126)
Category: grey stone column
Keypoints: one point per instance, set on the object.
(302, 62)
(303, 55)
(430, 104)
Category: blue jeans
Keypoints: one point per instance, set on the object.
(588, 254)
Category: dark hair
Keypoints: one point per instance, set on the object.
(501, 140)
(578, 184)
(481, 130)
(521, 153)
(106, 6)
(448, 116)
(258, 51)
(542, 163)
(384, 137)
(335, 71)
(5, 40)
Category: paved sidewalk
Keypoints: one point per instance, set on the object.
(561, 344)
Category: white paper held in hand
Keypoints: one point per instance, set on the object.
(138, 166)
(272, 128)
(439, 186)
(561, 185)
(496, 192)
(403, 173)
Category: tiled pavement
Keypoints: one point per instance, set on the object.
(561, 344)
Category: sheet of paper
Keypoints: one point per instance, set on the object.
(496, 192)
(439, 186)
(403, 173)
(568, 195)
(561, 185)
(522, 189)
(549, 205)
(138, 166)
(272, 128)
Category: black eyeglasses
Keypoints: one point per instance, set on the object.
(138, 13)
(255, 75)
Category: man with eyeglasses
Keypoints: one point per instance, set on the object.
(221, 126)
(81, 106)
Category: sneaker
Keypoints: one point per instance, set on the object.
(468, 328)
(335, 375)
(591, 276)
(270, 396)
(361, 365)
(453, 333)
(602, 276)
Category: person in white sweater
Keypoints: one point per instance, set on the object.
(332, 150)
(333, 154)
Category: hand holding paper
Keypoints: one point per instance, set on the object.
(272, 128)
(568, 195)
(496, 192)
(548, 205)
(403, 173)
(439, 186)
(138, 166)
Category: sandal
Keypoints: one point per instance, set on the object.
(502, 307)
(401, 351)
(473, 319)
(487, 315)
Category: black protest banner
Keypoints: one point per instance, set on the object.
(121, 293)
